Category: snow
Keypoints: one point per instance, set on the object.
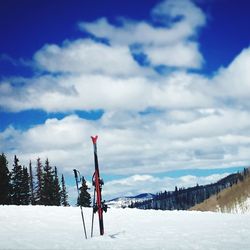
(240, 207)
(38, 227)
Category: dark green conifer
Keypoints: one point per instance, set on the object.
(47, 194)
(39, 183)
(57, 189)
(64, 194)
(25, 187)
(5, 186)
(32, 187)
(85, 199)
(16, 181)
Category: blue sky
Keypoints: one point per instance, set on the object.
(165, 84)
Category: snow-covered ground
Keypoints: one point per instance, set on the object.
(28, 227)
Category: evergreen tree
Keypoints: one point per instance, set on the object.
(32, 189)
(85, 199)
(20, 184)
(5, 186)
(47, 197)
(39, 184)
(64, 194)
(57, 189)
(25, 187)
(16, 180)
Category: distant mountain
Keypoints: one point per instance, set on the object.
(125, 201)
(234, 199)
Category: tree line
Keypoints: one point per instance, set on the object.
(26, 186)
(185, 198)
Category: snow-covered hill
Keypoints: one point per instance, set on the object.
(27, 227)
(122, 202)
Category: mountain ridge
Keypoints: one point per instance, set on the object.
(125, 201)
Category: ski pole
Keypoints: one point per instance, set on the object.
(76, 172)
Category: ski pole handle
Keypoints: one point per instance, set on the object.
(75, 172)
(77, 175)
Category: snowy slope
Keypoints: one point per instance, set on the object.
(28, 227)
(122, 202)
(239, 207)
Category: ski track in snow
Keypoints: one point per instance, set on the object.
(44, 228)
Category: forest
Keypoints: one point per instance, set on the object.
(39, 185)
(28, 186)
(185, 198)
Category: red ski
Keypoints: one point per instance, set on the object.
(98, 204)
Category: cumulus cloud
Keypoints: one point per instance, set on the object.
(85, 56)
(96, 91)
(233, 82)
(171, 44)
(132, 143)
(85, 74)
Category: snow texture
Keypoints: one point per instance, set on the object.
(29, 227)
(239, 207)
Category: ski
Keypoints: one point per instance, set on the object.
(98, 205)
(78, 180)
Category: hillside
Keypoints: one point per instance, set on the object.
(185, 198)
(234, 199)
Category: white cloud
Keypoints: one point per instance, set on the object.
(87, 57)
(95, 91)
(168, 45)
(189, 13)
(131, 143)
(94, 75)
(188, 129)
(177, 55)
(234, 81)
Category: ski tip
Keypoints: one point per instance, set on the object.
(94, 139)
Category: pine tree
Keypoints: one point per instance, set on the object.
(64, 194)
(57, 189)
(16, 180)
(47, 195)
(32, 189)
(39, 185)
(5, 186)
(85, 199)
(25, 187)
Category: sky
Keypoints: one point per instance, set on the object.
(164, 84)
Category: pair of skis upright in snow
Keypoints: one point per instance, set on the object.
(98, 205)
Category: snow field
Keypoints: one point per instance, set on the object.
(39, 227)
